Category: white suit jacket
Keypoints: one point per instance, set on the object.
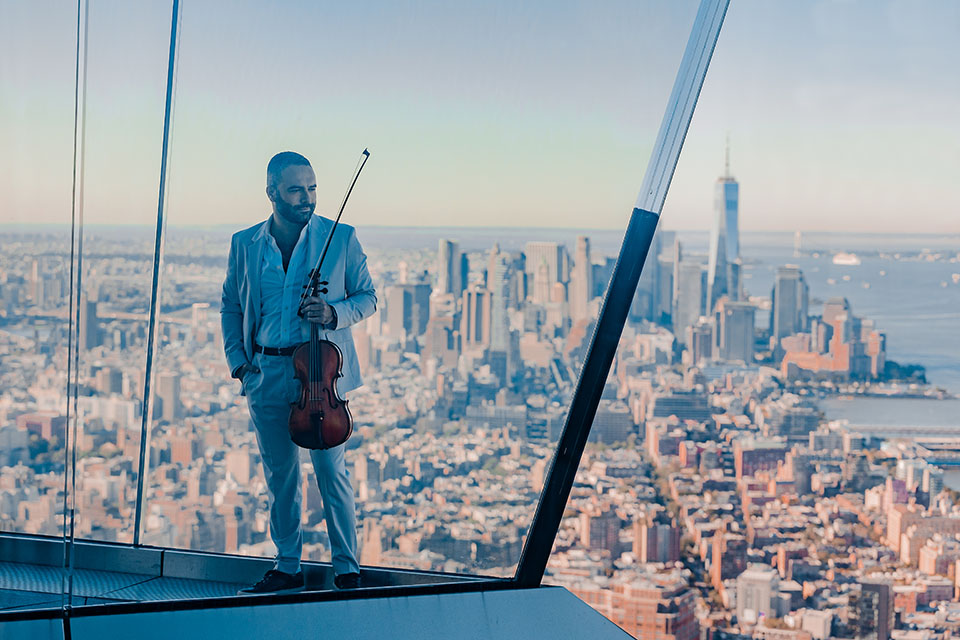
(350, 293)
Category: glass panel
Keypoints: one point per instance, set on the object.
(126, 80)
(37, 58)
(783, 447)
(507, 148)
(37, 282)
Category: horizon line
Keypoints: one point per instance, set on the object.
(224, 226)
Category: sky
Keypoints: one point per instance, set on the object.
(841, 115)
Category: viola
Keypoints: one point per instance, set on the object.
(320, 418)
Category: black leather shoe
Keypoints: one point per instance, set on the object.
(347, 581)
(275, 582)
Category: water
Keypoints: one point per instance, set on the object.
(912, 412)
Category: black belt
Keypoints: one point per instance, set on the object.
(273, 351)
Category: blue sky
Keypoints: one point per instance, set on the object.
(842, 115)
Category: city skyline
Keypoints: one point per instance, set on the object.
(470, 363)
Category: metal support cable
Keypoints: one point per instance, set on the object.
(75, 309)
(146, 421)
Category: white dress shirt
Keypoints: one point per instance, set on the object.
(280, 291)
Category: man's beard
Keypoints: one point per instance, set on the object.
(293, 213)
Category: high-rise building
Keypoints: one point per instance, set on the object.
(700, 341)
(581, 281)
(664, 295)
(932, 480)
(656, 541)
(35, 283)
(729, 556)
(541, 283)
(476, 317)
(601, 530)
(791, 297)
(871, 611)
(723, 266)
(838, 313)
(688, 297)
(646, 301)
(89, 323)
(734, 323)
(442, 341)
(758, 591)
(407, 309)
(499, 279)
(751, 455)
(168, 392)
(551, 253)
(451, 269)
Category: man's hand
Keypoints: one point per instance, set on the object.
(317, 310)
(243, 370)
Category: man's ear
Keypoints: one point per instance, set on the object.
(272, 193)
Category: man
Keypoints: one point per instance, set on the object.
(267, 269)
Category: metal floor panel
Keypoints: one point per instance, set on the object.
(176, 589)
(16, 576)
(26, 599)
(30, 586)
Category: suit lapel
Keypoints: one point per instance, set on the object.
(254, 261)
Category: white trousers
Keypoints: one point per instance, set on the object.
(269, 394)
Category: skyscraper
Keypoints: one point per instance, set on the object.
(89, 323)
(168, 392)
(791, 297)
(688, 297)
(646, 301)
(723, 263)
(757, 591)
(451, 275)
(542, 282)
(552, 254)
(581, 280)
(871, 611)
(499, 275)
(407, 309)
(475, 321)
(734, 330)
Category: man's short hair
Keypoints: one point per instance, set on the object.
(280, 162)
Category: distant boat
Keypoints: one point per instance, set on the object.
(955, 277)
(846, 259)
(883, 272)
(831, 281)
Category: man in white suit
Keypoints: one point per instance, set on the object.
(267, 269)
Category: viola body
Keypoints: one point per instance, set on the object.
(320, 418)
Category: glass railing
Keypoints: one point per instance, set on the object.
(485, 306)
(505, 150)
(36, 125)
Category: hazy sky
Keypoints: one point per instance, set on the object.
(842, 115)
